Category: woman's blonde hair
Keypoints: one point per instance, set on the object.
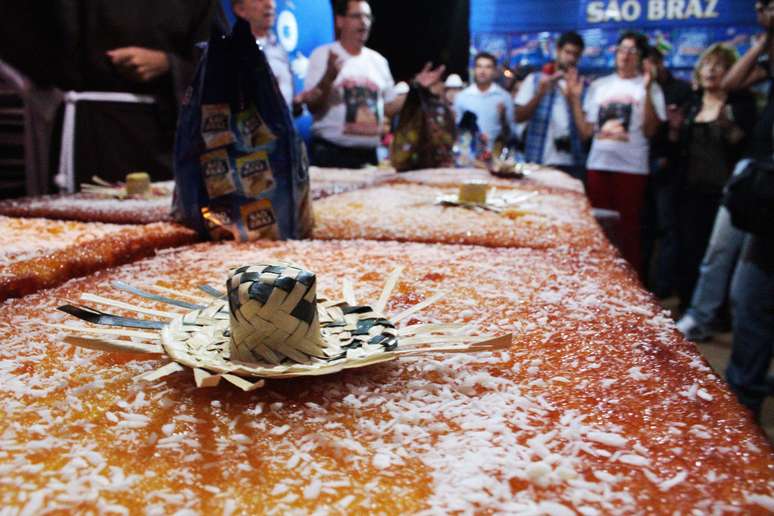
(725, 54)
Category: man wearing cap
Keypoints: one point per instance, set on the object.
(349, 89)
(452, 87)
(552, 138)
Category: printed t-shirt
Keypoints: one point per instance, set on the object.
(616, 106)
(356, 108)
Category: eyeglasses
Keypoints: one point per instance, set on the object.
(360, 16)
(627, 50)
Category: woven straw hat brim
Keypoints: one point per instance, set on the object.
(200, 339)
(351, 336)
(494, 202)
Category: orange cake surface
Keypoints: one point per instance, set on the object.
(89, 208)
(330, 181)
(600, 407)
(41, 253)
(535, 177)
(410, 212)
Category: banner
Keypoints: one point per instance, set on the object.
(664, 13)
(522, 33)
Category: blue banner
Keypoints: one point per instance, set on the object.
(506, 16)
(664, 13)
(524, 33)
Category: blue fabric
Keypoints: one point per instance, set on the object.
(484, 106)
(717, 266)
(752, 296)
(537, 129)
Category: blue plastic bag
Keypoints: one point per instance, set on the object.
(241, 170)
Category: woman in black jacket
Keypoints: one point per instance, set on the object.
(708, 141)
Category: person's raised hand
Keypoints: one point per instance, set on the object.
(429, 76)
(648, 73)
(333, 66)
(675, 117)
(760, 42)
(547, 81)
(573, 88)
(138, 63)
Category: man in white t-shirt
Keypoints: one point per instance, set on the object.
(621, 111)
(349, 90)
(552, 138)
(261, 14)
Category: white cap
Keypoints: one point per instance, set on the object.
(402, 88)
(454, 81)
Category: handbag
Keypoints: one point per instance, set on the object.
(749, 198)
(424, 136)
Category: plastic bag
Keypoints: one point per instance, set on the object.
(425, 134)
(240, 166)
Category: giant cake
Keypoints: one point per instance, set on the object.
(40, 253)
(534, 177)
(599, 407)
(412, 213)
(90, 208)
(330, 181)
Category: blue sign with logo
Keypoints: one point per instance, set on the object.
(664, 13)
(524, 32)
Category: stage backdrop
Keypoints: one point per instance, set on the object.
(524, 32)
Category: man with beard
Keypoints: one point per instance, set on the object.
(552, 138)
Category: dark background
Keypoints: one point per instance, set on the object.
(410, 33)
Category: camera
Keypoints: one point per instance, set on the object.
(563, 144)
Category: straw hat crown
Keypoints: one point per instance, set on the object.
(273, 313)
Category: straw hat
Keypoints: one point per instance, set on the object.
(478, 195)
(268, 324)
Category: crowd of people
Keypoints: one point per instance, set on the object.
(653, 148)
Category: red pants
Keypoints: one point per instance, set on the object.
(624, 193)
